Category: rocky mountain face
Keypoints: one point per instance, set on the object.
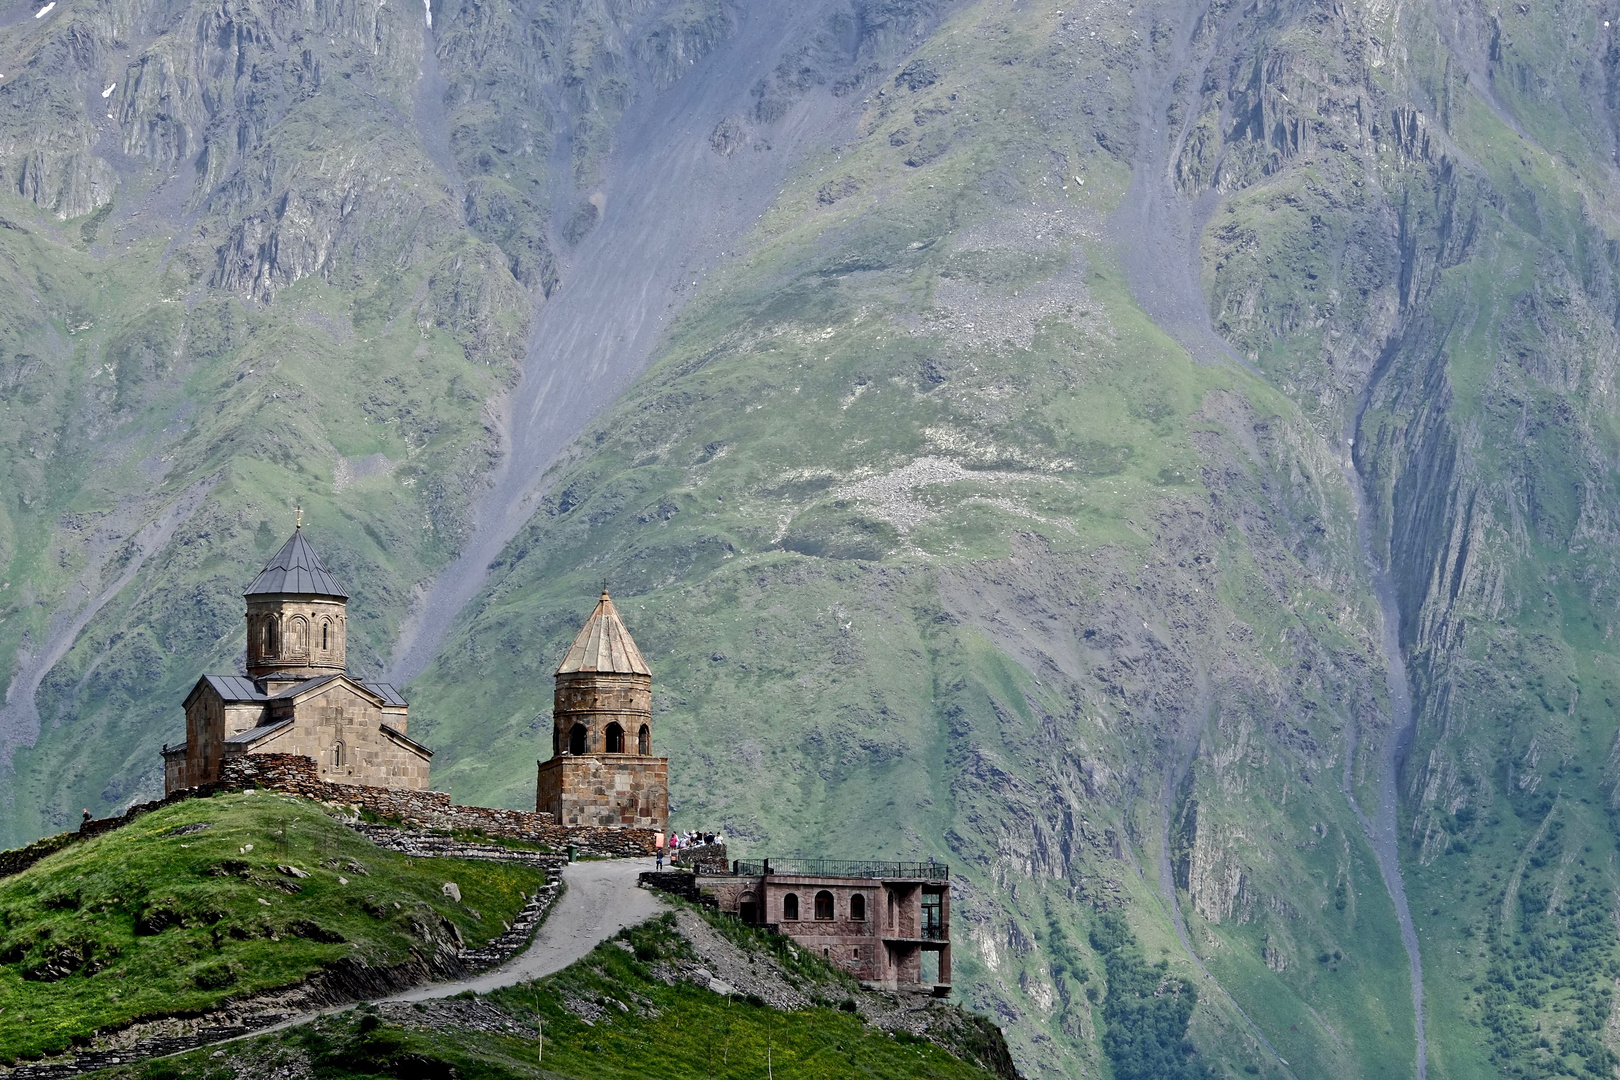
(1159, 458)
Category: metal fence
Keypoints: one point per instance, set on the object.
(926, 871)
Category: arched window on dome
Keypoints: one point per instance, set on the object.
(326, 631)
(644, 741)
(298, 636)
(615, 739)
(576, 739)
(270, 636)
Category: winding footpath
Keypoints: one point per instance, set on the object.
(599, 899)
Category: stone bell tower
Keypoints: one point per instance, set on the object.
(602, 770)
(297, 615)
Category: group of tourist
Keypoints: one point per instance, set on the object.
(680, 841)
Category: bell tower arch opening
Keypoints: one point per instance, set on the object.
(576, 739)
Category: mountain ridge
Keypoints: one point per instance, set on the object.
(1016, 489)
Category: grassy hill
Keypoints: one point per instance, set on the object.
(621, 1012)
(188, 907)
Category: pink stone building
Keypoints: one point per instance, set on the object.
(886, 923)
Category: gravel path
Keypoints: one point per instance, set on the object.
(599, 900)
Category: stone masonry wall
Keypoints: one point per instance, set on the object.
(613, 790)
(297, 775)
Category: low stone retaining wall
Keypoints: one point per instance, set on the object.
(436, 846)
(704, 858)
(681, 883)
(296, 775)
(293, 774)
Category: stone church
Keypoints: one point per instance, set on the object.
(602, 770)
(297, 696)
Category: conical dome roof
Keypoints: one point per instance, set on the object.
(296, 569)
(604, 645)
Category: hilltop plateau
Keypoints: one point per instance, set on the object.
(1159, 458)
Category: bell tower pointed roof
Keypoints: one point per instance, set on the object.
(296, 569)
(604, 645)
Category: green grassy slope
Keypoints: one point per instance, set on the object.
(610, 1015)
(173, 914)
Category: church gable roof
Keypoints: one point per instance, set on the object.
(387, 691)
(230, 689)
(253, 735)
(296, 569)
(309, 686)
(604, 645)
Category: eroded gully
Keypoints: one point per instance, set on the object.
(1381, 829)
(1162, 263)
(672, 208)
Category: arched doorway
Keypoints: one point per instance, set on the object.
(749, 908)
(576, 739)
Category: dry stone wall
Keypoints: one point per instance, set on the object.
(296, 775)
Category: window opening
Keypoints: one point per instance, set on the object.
(615, 739)
(824, 905)
(790, 907)
(933, 920)
(857, 908)
(644, 741)
(324, 628)
(576, 739)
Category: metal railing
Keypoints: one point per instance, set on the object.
(844, 868)
(935, 932)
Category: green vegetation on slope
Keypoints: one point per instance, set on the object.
(1146, 1011)
(173, 913)
(611, 1016)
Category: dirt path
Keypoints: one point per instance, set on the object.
(599, 900)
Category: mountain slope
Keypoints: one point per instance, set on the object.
(1159, 459)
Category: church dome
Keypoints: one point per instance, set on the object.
(604, 646)
(297, 570)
